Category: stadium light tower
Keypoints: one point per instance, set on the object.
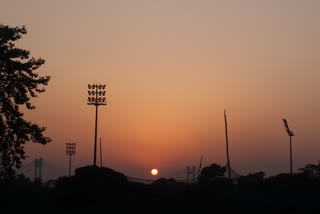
(96, 97)
(70, 150)
(290, 133)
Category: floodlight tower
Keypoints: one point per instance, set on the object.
(70, 150)
(290, 133)
(96, 97)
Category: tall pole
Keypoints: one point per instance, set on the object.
(95, 138)
(100, 153)
(291, 134)
(96, 97)
(227, 144)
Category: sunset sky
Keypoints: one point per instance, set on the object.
(171, 68)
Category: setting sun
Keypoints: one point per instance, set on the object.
(154, 172)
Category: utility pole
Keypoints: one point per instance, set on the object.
(291, 134)
(227, 144)
(96, 98)
(70, 150)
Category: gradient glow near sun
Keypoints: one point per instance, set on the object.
(154, 172)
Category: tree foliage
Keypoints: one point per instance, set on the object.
(209, 173)
(311, 171)
(19, 82)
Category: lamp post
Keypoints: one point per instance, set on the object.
(70, 150)
(290, 133)
(96, 97)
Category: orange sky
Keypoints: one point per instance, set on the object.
(171, 68)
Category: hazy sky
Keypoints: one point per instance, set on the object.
(171, 67)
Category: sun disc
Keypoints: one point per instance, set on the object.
(154, 172)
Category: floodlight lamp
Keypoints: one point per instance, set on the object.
(103, 87)
(100, 93)
(103, 93)
(100, 86)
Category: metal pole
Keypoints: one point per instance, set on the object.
(95, 139)
(100, 153)
(227, 144)
(95, 132)
(290, 156)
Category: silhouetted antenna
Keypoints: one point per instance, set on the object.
(199, 171)
(70, 150)
(291, 134)
(96, 97)
(227, 144)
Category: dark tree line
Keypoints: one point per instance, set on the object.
(95, 189)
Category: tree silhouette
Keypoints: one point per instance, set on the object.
(311, 171)
(18, 84)
(209, 173)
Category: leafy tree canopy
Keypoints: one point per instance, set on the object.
(19, 82)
